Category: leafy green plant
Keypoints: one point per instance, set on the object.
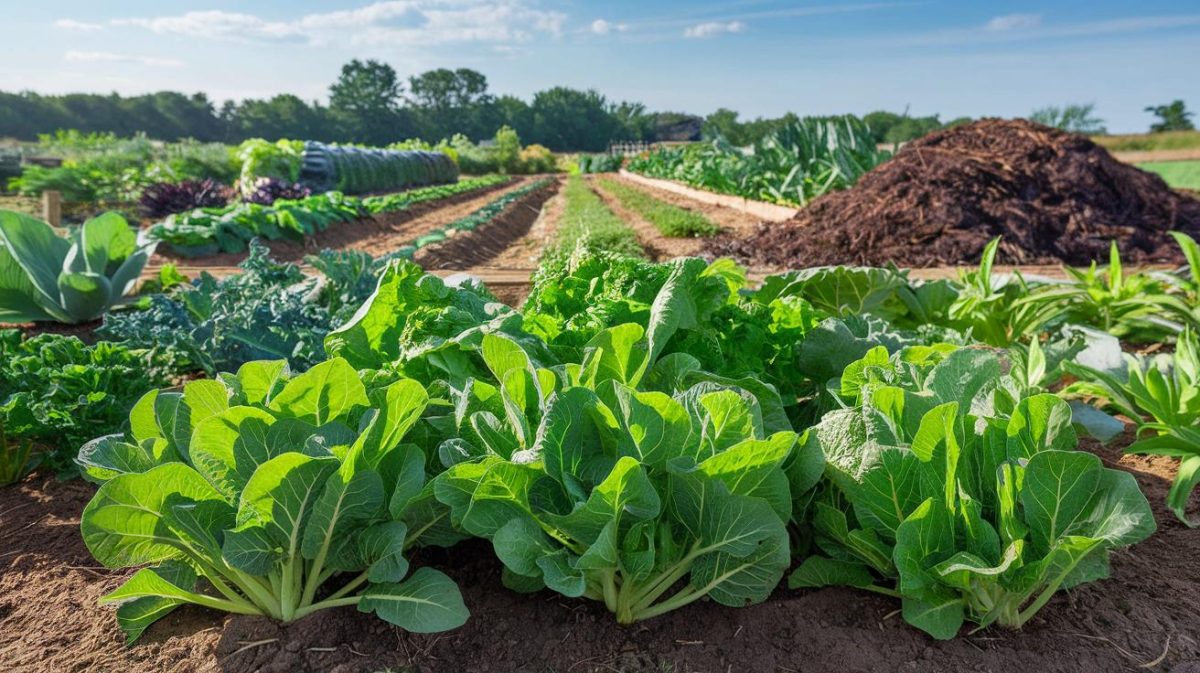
(587, 223)
(671, 220)
(267, 311)
(1129, 306)
(965, 496)
(44, 276)
(253, 492)
(206, 231)
(793, 165)
(15, 458)
(593, 486)
(997, 313)
(57, 392)
(1162, 396)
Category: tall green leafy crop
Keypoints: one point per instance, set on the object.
(966, 496)
(251, 493)
(646, 494)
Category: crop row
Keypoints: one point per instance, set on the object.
(642, 435)
(229, 229)
(791, 166)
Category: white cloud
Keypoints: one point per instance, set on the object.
(112, 57)
(1014, 22)
(81, 26)
(713, 28)
(602, 27)
(394, 22)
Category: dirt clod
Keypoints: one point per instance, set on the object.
(1053, 196)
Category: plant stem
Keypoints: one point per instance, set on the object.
(350, 586)
(328, 603)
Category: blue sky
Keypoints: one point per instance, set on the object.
(760, 57)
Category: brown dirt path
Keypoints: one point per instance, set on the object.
(658, 247)
(735, 222)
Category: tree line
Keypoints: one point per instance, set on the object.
(371, 104)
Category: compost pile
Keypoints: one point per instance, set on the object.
(1055, 197)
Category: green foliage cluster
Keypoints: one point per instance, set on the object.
(57, 393)
(206, 231)
(1073, 118)
(268, 311)
(266, 485)
(791, 166)
(672, 221)
(101, 167)
(588, 224)
(963, 491)
(44, 276)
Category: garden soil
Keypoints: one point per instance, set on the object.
(490, 240)
(1146, 617)
(1054, 197)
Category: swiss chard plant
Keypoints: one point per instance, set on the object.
(644, 484)
(269, 494)
(1162, 396)
(952, 491)
(44, 276)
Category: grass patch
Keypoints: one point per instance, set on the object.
(1148, 142)
(588, 223)
(672, 221)
(1178, 174)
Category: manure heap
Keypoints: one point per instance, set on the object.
(1055, 197)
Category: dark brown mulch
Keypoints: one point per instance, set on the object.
(50, 620)
(1054, 197)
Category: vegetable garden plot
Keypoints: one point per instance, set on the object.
(661, 443)
(488, 232)
(395, 225)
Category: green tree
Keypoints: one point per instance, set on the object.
(365, 100)
(572, 120)
(507, 150)
(1171, 117)
(1074, 118)
(722, 124)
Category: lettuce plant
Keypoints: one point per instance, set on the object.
(44, 276)
(959, 498)
(267, 494)
(647, 488)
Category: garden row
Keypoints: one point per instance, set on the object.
(642, 435)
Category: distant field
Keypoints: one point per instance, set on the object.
(1178, 174)
(1149, 142)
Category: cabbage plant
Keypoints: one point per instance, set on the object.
(44, 276)
(955, 492)
(268, 494)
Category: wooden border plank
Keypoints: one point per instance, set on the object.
(767, 211)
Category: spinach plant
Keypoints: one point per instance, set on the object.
(252, 493)
(954, 492)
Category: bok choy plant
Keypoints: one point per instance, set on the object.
(270, 494)
(645, 486)
(964, 500)
(44, 276)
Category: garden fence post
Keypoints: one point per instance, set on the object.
(52, 207)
